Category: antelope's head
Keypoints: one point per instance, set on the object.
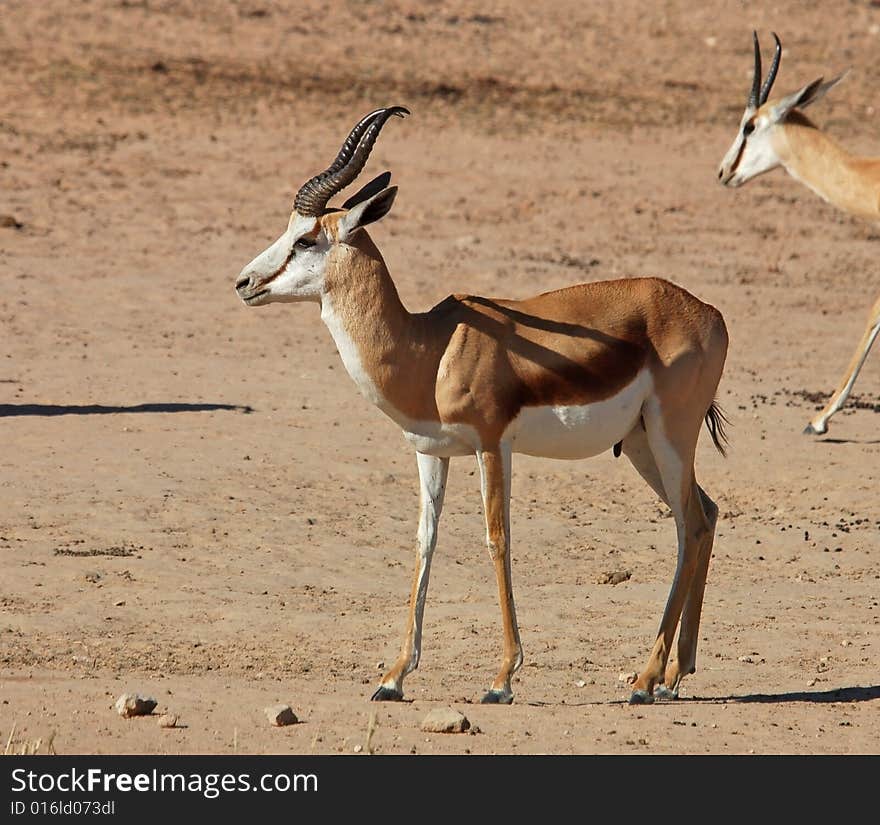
(293, 268)
(758, 142)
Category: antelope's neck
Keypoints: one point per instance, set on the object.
(384, 347)
(810, 156)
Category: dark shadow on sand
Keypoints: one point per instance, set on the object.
(845, 694)
(9, 410)
(849, 440)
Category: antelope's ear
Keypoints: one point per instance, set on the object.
(369, 211)
(804, 97)
(375, 185)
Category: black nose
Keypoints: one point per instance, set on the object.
(242, 282)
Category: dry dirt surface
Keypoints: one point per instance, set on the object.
(196, 504)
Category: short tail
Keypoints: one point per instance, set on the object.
(716, 422)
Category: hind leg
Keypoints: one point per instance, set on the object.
(688, 634)
(636, 448)
(819, 424)
(665, 459)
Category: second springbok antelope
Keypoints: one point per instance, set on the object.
(776, 133)
(631, 365)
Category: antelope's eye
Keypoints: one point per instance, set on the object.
(749, 128)
(304, 243)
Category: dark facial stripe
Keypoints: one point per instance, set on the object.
(272, 276)
(738, 158)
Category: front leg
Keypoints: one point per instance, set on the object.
(495, 466)
(432, 487)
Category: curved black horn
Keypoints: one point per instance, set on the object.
(771, 75)
(313, 195)
(754, 94)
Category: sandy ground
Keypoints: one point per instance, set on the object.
(195, 501)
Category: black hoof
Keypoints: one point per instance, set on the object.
(641, 697)
(663, 692)
(811, 430)
(386, 694)
(497, 697)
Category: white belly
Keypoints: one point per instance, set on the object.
(582, 430)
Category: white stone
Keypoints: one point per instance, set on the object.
(133, 704)
(280, 715)
(445, 720)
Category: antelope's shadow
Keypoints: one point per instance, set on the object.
(10, 410)
(844, 694)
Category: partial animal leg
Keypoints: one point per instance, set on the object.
(635, 447)
(685, 662)
(672, 448)
(432, 487)
(819, 424)
(495, 468)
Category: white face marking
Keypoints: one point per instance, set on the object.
(579, 431)
(752, 154)
(289, 270)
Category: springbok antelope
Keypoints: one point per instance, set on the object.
(631, 365)
(776, 133)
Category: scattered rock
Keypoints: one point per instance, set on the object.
(465, 241)
(168, 720)
(280, 715)
(614, 577)
(445, 720)
(119, 603)
(628, 678)
(358, 748)
(581, 683)
(10, 222)
(133, 704)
